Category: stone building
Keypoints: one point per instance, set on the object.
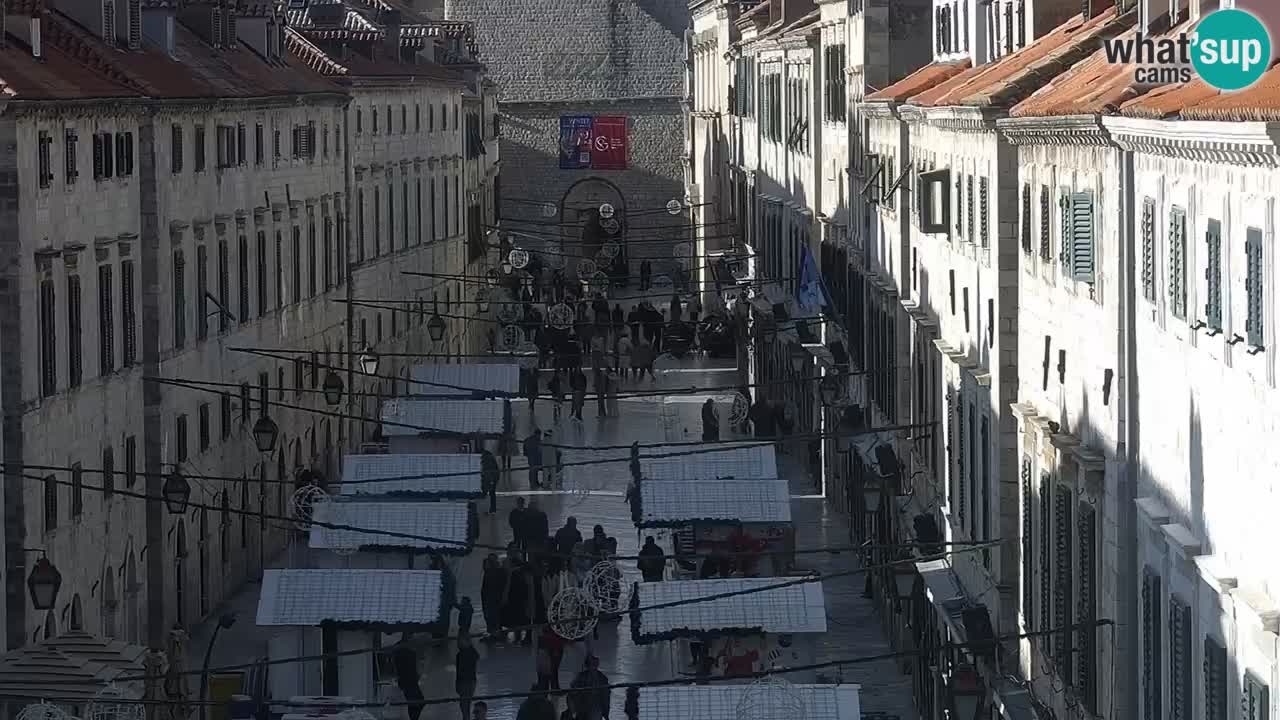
(603, 72)
(182, 189)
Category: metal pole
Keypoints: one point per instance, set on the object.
(204, 671)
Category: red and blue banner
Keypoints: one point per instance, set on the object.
(593, 142)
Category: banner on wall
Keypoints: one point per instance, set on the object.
(593, 142)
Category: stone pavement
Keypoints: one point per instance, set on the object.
(854, 629)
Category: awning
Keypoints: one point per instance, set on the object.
(367, 598)
(75, 666)
(450, 525)
(466, 381)
(674, 503)
(434, 476)
(739, 462)
(721, 702)
(798, 608)
(448, 417)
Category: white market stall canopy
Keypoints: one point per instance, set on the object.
(671, 503)
(458, 417)
(452, 475)
(712, 461)
(466, 381)
(721, 702)
(308, 598)
(798, 608)
(448, 524)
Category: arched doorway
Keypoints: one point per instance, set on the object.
(581, 224)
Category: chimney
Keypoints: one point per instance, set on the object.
(391, 29)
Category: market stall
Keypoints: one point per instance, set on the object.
(392, 533)
(768, 701)
(711, 461)
(434, 476)
(737, 626)
(473, 381)
(443, 426)
(730, 518)
(314, 611)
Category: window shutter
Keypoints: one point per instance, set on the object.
(1179, 660)
(984, 222)
(962, 498)
(1026, 219)
(97, 156)
(1028, 543)
(1215, 680)
(1254, 287)
(1152, 671)
(109, 22)
(1064, 231)
(1046, 541)
(1045, 245)
(1149, 249)
(1082, 238)
(959, 206)
(1256, 699)
(1062, 579)
(1213, 275)
(1177, 255)
(135, 23)
(1086, 605)
(969, 204)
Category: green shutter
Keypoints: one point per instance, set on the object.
(984, 222)
(1254, 287)
(1177, 259)
(1082, 238)
(1044, 224)
(1149, 249)
(1026, 219)
(1213, 275)
(1064, 231)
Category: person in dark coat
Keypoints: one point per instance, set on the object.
(710, 422)
(493, 590)
(589, 693)
(406, 665)
(633, 319)
(537, 524)
(651, 562)
(518, 521)
(529, 379)
(600, 313)
(466, 611)
(515, 608)
(602, 389)
(536, 707)
(533, 453)
(646, 270)
(615, 320)
(578, 381)
(784, 426)
(489, 478)
(761, 417)
(556, 386)
(567, 540)
(465, 664)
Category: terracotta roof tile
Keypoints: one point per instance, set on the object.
(1260, 102)
(57, 76)
(1006, 81)
(317, 59)
(26, 8)
(919, 81)
(1169, 100)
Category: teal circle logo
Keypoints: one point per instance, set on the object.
(1231, 49)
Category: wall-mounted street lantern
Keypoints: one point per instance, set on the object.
(265, 432)
(332, 389)
(43, 584)
(436, 325)
(872, 492)
(966, 693)
(799, 357)
(176, 492)
(369, 361)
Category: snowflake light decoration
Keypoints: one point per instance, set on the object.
(663, 282)
(586, 268)
(519, 259)
(43, 711)
(549, 210)
(553, 254)
(510, 336)
(610, 226)
(110, 704)
(604, 584)
(738, 411)
(599, 283)
(507, 313)
(769, 698)
(560, 316)
(572, 614)
(303, 504)
(611, 249)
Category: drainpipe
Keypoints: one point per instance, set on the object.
(1127, 393)
(348, 268)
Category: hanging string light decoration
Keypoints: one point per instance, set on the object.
(43, 711)
(111, 704)
(519, 258)
(604, 584)
(303, 504)
(610, 226)
(572, 614)
(663, 282)
(739, 409)
(560, 316)
(508, 313)
(549, 210)
(586, 268)
(770, 698)
(674, 207)
(510, 336)
(599, 283)
(553, 254)
(611, 249)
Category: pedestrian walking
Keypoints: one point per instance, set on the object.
(466, 611)
(537, 524)
(406, 666)
(761, 417)
(710, 421)
(567, 540)
(578, 381)
(518, 521)
(597, 352)
(652, 563)
(489, 478)
(601, 387)
(615, 320)
(556, 386)
(465, 663)
(589, 693)
(633, 321)
(611, 386)
(646, 270)
(783, 425)
(559, 482)
(516, 606)
(493, 590)
(555, 646)
(623, 360)
(533, 453)
(531, 391)
(536, 707)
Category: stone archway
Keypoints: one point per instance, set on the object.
(580, 218)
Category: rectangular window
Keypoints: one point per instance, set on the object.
(418, 203)
(242, 278)
(1081, 238)
(969, 205)
(1255, 288)
(1255, 698)
(431, 198)
(261, 274)
(404, 213)
(1152, 628)
(275, 144)
(391, 218)
(1062, 579)
(77, 491)
(1028, 546)
(297, 263)
(259, 144)
(360, 225)
(180, 299)
(48, 339)
(103, 165)
(128, 316)
(1026, 219)
(297, 375)
(1149, 249)
(106, 322)
(180, 439)
(1086, 605)
(1046, 544)
(224, 284)
(225, 416)
(130, 461)
(244, 403)
(1046, 245)
(1215, 680)
(377, 221)
(75, 331)
(50, 504)
(1179, 660)
(328, 253)
(44, 159)
(175, 148)
(1177, 260)
(202, 292)
(199, 148)
(202, 426)
(279, 269)
(70, 141)
(312, 257)
(984, 220)
(242, 145)
(1213, 275)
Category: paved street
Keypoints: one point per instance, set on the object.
(854, 629)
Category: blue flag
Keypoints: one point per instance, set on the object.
(810, 293)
